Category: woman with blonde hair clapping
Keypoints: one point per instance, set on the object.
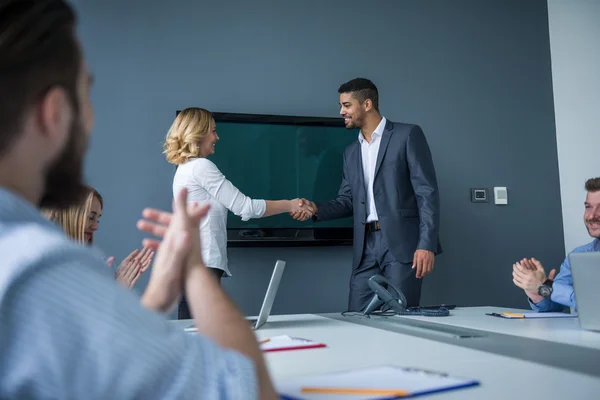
(81, 221)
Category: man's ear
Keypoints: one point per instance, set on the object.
(368, 104)
(55, 115)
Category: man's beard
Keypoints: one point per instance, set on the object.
(64, 184)
(356, 122)
(591, 221)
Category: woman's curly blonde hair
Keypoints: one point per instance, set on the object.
(185, 135)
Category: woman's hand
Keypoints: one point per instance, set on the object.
(133, 266)
(302, 209)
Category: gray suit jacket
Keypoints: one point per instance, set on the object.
(405, 190)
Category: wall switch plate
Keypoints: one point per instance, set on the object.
(479, 195)
(500, 195)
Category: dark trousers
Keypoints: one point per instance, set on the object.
(377, 259)
(184, 310)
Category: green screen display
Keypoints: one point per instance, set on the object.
(282, 161)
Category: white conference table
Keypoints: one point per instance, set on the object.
(559, 330)
(351, 345)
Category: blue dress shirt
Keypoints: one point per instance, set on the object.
(69, 331)
(563, 294)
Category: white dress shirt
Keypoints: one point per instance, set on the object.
(207, 184)
(369, 151)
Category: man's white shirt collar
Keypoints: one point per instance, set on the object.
(377, 132)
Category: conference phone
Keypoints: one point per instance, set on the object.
(389, 300)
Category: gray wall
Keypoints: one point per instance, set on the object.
(474, 74)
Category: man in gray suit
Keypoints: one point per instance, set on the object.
(389, 185)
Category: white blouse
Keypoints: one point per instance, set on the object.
(207, 184)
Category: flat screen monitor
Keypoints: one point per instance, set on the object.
(276, 157)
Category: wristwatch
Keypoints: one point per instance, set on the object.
(545, 289)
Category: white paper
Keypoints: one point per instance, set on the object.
(285, 341)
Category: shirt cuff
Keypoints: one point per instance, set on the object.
(541, 306)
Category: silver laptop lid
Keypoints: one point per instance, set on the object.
(584, 269)
(267, 304)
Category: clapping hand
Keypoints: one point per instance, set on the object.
(303, 209)
(178, 248)
(133, 266)
(529, 274)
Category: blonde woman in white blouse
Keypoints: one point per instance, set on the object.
(190, 140)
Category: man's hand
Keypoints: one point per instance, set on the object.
(529, 275)
(132, 267)
(534, 265)
(156, 222)
(180, 231)
(527, 279)
(423, 262)
(304, 210)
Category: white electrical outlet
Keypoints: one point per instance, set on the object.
(500, 195)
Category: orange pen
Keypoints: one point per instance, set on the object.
(380, 392)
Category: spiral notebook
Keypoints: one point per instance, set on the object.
(385, 382)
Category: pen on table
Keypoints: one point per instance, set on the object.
(381, 392)
(264, 341)
(494, 314)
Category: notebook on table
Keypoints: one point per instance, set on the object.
(385, 382)
(510, 315)
(285, 342)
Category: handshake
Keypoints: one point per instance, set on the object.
(302, 209)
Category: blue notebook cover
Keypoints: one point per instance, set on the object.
(381, 383)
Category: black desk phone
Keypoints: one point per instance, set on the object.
(387, 299)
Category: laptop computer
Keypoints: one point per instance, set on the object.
(585, 268)
(265, 309)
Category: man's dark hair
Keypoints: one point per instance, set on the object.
(592, 185)
(361, 89)
(38, 51)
